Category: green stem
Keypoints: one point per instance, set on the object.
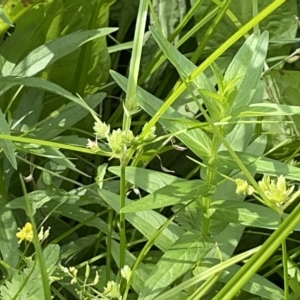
(209, 178)
(108, 243)
(262, 15)
(258, 259)
(38, 248)
(122, 216)
(255, 12)
(130, 100)
(209, 32)
(129, 106)
(285, 268)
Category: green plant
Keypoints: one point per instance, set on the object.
(82, 163)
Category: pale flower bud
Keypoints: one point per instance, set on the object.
(101, 129)
(126, 272)
(112, 290)
(242, 187)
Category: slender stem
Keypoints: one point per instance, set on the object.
(256, 261)
(209, 178)
(255, 12)
(129, 109)
(209, 32)
(216, 54)
(108, 243)
(135, 62)
(38, 248)
(285, 267)
(122, 216)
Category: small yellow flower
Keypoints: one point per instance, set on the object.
(26, 233)
(242, 187)
(276, 191)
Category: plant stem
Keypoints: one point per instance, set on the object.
(122, 216)
(39, 252)
(256, 261)
(129, 105)
(285, 267)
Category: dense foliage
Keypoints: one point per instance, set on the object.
(149, 149)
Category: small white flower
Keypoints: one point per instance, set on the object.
(126, 272)
(93, 145)
(101, 129)
(242, 187)
(112, 290)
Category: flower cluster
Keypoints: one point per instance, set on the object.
(26, 233)
(112, 289)
(118, 140)
(276, 190)
(243, 187)
(72, 272)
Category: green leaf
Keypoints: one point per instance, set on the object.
(175, 193)
(25, 116)
(66, 204)
(6, 145)
(242, 12)
(245, 213)
(182, 256)
(9, 82)
(33, 288)
(147, 222)
(47, 54)
(37, 200)
(141, 273)
(67, 116)
(186, 68)
(14, 10)
(148, 180)
(265, 110)
(258, 164)
(9, 241)
(196, 140)
(257, 285)
(283, 87)
(33, 29)
(75, 247)
(247, 65)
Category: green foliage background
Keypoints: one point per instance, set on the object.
(218, 79)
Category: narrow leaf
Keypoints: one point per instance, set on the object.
(43, 56)
(188, 250)
(172, 194)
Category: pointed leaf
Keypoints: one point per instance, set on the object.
(172, 194)
(147, 222)
(6, 145)
(47, 54)
(196, 140)
(148, 180)
(188, 250)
